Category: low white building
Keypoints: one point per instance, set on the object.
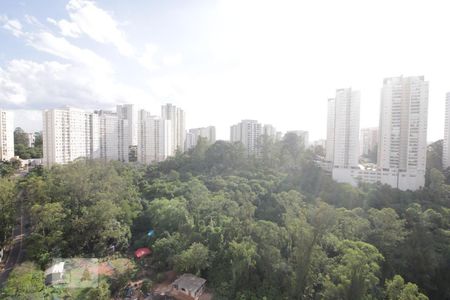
(401, 180)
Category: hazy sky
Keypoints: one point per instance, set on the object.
(221, 61)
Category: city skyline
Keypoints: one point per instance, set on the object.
(153, 53)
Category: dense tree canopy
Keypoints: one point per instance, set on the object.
(21, 145)
(270, 227)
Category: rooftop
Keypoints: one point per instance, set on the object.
(189, 282)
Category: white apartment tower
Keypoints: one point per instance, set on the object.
(69, 134)
(329, 148)
(249, 133)
(6, 135)
(343, 129)
(402, 135)
(368, 140)
(128, 130)
(108, 135)
(446, 146)
(177, 118)
(403, 129)
(154, 138)
(192, 137)
(94, 136)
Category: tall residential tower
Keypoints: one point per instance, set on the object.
(154, 138)
(108, 135)
(177, 118)
(446, 146)
(369, 141)
(128, 131)
(343, 129)
(6, 135)
(69, 134)
(249, 133)
(402, 148)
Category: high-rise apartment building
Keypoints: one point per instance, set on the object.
(108, 135)
(343, 129)
(128, 131)
(249, 133)
(69, 134)
(446, 146)
(6, 135)
(208, 133)
(154, 138)
(402, 147)
(329, 148)
(177, 118)
(368, 141)
(31, 136)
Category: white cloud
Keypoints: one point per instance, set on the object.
(46, 41)
(60, 47)
(67, 28)
(10, 91)
(32, 20)
(31, 85)
(86, 17)
(14, 26)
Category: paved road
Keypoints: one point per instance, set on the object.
(16, 254)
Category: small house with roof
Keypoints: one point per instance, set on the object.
(55, 274)
(190, 285)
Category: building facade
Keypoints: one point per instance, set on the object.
(446, 145)
(192, 137)
(249, 133)
(128, 131)
(368, 141)
(331, 112)
(343, 129)
(69, 134)
(108, 135)
(402, 146)
(31, 138)
(402, 138)
(177, 118)
(154, 138)
(6, 135)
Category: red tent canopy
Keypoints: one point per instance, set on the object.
(142, 252)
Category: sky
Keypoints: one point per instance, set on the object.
(222, 61)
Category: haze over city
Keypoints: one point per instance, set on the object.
(221, 61)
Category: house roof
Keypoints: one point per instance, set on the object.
(56, 268)
(189, 282)
(142, 252)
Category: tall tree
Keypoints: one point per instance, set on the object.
(354, 274)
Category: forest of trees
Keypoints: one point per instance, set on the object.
(272, 227)
(21, 143)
